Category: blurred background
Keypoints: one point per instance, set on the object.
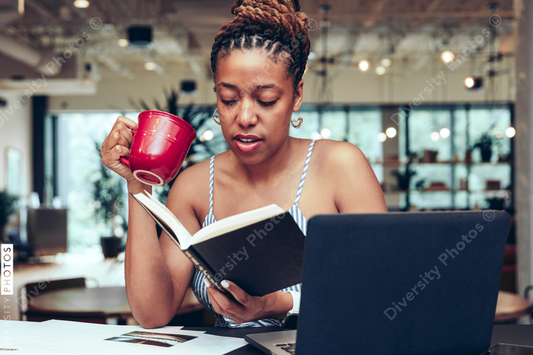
(428, 89)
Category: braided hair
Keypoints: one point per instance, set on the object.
(275, 26)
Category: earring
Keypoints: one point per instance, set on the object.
(297, 123)
(216, 117)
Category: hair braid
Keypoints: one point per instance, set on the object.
(275, 26)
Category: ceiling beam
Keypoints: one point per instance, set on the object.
(374, 12)
(109, 62)
(44, 13)
(387, 17)
(429, 9)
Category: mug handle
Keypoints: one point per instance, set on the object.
(123, 160)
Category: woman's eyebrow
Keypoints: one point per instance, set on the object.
(257, 87)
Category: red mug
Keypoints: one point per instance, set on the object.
(159, 147)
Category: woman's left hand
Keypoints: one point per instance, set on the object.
(248, 308)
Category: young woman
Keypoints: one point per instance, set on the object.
(258, 60)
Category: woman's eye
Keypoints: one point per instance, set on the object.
(229, 102)
(269, 103)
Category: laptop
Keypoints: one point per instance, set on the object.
(398, 284)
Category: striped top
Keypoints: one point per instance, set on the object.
(198, 285)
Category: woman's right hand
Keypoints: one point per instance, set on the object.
(116, 145)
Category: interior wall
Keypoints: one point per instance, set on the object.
(438, 85)
(16, 132)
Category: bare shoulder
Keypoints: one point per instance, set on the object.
(345, 166)
(338, 154)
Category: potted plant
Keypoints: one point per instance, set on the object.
(109, 201)
(495, 203)
(8, 205)
(404, 178)
(485, 143)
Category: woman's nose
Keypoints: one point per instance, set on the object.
(247, 117)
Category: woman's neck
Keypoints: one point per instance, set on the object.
(270, 171)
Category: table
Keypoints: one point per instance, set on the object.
(510, 306)
(107, 301)
(501, 333)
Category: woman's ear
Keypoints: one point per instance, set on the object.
(298, 96)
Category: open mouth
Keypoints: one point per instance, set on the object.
(248, 143)
(248, 140)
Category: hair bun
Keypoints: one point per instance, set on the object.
(273, 25)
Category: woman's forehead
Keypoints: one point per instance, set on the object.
(241, 67)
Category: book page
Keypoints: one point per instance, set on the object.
(235, 222)
(166, 217)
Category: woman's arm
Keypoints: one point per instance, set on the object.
(156, 271)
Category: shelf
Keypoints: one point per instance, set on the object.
(479, 163)
(397, 192)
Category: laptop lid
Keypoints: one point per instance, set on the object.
(401, 283)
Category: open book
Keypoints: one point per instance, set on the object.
(261, 250)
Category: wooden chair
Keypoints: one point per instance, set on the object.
(32, 290)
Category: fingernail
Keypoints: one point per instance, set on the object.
(225, 284)
(207, 283)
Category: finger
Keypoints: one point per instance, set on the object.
(224, 302)
(240, 295)
(124, 130)
(111, 159)
(211, 291)
(130, 124)
(121, 140)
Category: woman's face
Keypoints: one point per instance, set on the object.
(255, 100)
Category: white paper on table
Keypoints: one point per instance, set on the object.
(63, 337)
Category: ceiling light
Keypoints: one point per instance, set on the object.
(81, 4)
(447, 57)
(391, 132)
(315, 135)
(510, 132)
(325, 133)
(473, 83)
(123, 42)
(380, 70)
(150, 66)
(382, 137)
(207, 136)
(498, 134)
(435, 136)
(363, 65)
(444, 132)
(386, 62)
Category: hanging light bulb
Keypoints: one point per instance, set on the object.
(386, 62)
(325, 133)
(380, 70)
(435, 136)
(391, 132)
(444, 132)
(382, 137)
(123, 42)
(447, 57)
(510, 132)
(150, 66)
(207, 136)
(81, 4)
(363, 65)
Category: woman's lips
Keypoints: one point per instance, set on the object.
(247, 143)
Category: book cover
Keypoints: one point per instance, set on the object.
(260, 258)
